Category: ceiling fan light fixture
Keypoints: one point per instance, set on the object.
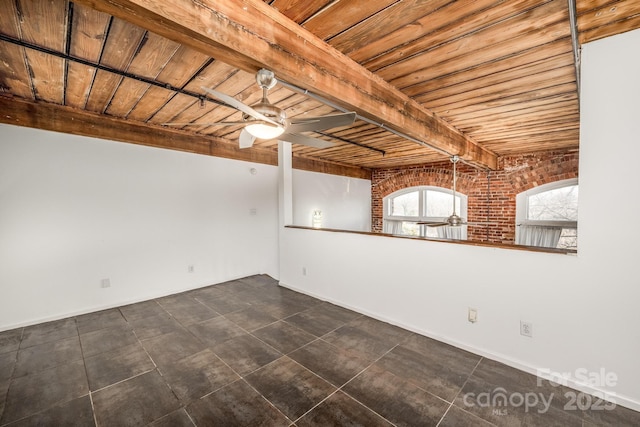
(267, 121)
(264, 130)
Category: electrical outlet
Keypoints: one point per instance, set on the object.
(105, 283)
(473, 315)
(526, 329)
(191, 269)
(304, 271)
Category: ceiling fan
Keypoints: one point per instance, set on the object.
(267, 121)
(454, 219)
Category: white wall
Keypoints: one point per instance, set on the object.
(584, 308)
(345, 202)
(76, 210)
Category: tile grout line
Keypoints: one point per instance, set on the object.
(123, 380)
(21, 338)
(183, 327)
(343, 385)
(15, 365)
(339, 388)
(189, 416)
(11, 378)
(325, 334)
(166, 311)
(207, 347)
(140, 342)
(157, 368)
(93, 409)
(460, 391)
(46, 409)
(286, 354)
(240, 376)
(86, 372)
(250, 333)
(266, 400)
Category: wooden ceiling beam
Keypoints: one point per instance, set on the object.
(42, 115)
(250, 35)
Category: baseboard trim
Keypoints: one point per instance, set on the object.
(102, 307)
(534, 370)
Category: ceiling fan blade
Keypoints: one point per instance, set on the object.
(433, 224)
(309, 124)
(246, 139)
(305, 140)
(239, 105)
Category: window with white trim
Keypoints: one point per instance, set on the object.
(405, 208)
(547, 215)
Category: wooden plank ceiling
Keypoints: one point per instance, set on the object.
(428, 78)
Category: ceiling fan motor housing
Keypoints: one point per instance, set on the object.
(266, 79)
(276, 114)
(454, 220)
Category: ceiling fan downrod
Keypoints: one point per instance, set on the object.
(454, 219)
(266, 80)
(454, 159)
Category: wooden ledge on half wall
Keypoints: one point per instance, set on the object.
(452, 241)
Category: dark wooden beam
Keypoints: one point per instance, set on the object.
(311, 165)
(56, 118)
(249, 34)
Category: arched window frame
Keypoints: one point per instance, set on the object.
(522, 207)
(422, 190)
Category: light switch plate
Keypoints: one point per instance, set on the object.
(473, 315)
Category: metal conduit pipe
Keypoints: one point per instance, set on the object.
(573, 20)
(325, 101)
(333, 105)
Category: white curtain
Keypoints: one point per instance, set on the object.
(392, 226)
(448, 232)
(536, 235)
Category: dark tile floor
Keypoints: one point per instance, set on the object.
(250, 353)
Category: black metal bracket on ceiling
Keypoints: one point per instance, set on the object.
(383, 126)
(202, 98)
(142, 79)
(351, 142)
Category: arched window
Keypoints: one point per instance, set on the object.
(547, 215)
(405, 208)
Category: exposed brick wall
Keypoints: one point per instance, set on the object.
(491, 195)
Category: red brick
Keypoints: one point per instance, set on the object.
(516, 174)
